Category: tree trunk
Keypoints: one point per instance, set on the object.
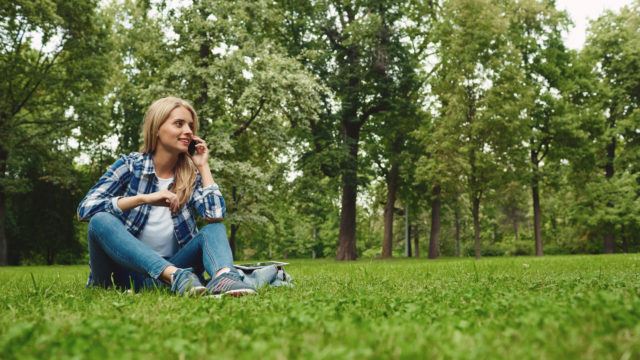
(434, 238)
(476, 225)
(232, 239)
(475, 184)
(315, 241)
(347, 235)
(392, 188)
(234, 227)
(535, 194)
(516, 229)
(416, 241)
(50, 256)
(457, 230)
(609, 236)
(3, 236)
(609, 241)
(204, 53)
(407, 232)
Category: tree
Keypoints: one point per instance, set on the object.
(388, 140)
(349, 45)
(474, 71)
(612, 52)
(536, 31)
(41, 220)
(55, 62)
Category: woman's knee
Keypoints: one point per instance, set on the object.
(101, 220)
(215, 231)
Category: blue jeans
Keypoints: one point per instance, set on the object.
(114, 251)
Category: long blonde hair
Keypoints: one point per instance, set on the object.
(156, 115)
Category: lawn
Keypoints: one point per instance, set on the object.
(552, 307)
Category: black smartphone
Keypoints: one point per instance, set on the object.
(192, 147)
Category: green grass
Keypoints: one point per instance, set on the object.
(553, 307)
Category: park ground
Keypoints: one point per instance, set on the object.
(558, 307)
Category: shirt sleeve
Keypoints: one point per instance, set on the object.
(208, 201)
(103, 196)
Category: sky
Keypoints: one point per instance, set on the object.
(581, 11)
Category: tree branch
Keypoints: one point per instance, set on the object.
(334, 38)
(381, 106)
(17, 46)
(543, 149)
(33, 122)
(383, 169)
(28, 139)
(41, 77)
(248, 122)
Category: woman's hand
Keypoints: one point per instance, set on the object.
(201, 156)
(163, 198)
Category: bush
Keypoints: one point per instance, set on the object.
(372, 253)
(523, 248)
(494, 249)
(554, 249)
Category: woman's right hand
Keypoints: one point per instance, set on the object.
(163, 198)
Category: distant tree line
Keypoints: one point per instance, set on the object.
(337, 127)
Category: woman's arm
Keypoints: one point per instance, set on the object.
(208, 200)
(110, 185)
(130, 202)
(106, 194)
(206, 197)
(159, 198)
(201, 160)
(205, 172)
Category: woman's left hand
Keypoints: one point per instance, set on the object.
(201, 156)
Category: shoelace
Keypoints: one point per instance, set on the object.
(225, 282)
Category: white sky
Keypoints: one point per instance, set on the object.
(581, 11)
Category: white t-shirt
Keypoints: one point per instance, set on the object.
(158, 231)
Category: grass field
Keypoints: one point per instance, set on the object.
(553, 307)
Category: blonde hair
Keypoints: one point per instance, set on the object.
(156, 115)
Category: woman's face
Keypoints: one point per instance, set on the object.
(176, 132)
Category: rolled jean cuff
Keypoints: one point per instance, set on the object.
(156, 274)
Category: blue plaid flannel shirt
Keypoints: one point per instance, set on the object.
(134, 174)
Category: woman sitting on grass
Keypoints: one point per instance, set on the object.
(142, 228)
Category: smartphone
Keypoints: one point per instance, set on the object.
(192, 147)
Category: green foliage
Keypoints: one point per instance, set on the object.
(250, 96)
(56, 60)
(530, 308)
(612, 193)
(300, 101)
(41, 221)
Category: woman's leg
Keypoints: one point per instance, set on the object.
(110, 243)
(102, 267)
(209, 249)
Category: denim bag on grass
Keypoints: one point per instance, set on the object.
(271, 275)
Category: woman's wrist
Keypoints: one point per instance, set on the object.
(137, 200)
(129, 202)
(205, 173)
(141, 199)
(203, 168)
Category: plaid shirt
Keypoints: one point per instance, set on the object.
(134, 174)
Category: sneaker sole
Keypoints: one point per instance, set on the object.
(234, 293)
(197, 291)
(240, 292)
